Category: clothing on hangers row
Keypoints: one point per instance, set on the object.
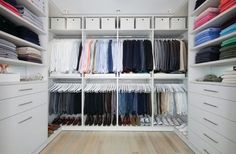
(66, 87)
(135, 87)
(100, 88)
(170, 88)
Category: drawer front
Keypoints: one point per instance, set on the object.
(178, 23)
(108, 23)
(214, 139)
(127, 23)
(58, 23)
(13, 106)
(200, 145)
(162, 23)
(11, 91)
(220, 125)
(223, 108)
(24, 133)
(143, 23)
(223, 92)
(92, 23)
(73, 23)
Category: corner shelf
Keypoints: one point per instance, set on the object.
(204, 6)
(18, 62)
(66, 32)
(217, 41)
(18, 20)
(32, 7)
(218, 20)
(231, 61)
(18, 41)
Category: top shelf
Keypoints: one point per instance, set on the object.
(18, 20)
(204, 6)
(32, 7)
(217, 21)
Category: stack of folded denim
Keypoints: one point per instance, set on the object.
(207, 54)
(10, 5)
(226, 4)
(205, 16)
(228, 30)
(28, 15)
(228, 49)
(29, 54)
(7, 49)
(7, 26)
(27, 35)
(207, 35)
(229, 77)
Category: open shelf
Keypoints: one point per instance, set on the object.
(65, 76)
(135, 32)
(100, 32)
(32, 7)
(19, 21)
(231, 61)
(135, 76)
(214, 42)
(100, 76)
(18, 41)
(218, 20)
(169, 32)
(18, 62)
(205, 5)
(66, 32)
(214, 83)
(166, 76)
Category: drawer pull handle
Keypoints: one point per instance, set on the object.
(213, 91)
(206, 151)
(25, 103)
(28, 89)
(20, 122)
(210, 138)
(210, 121)
(210, 105)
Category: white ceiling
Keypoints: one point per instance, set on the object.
(126, 7)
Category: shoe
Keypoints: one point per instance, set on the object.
(124, 121)
(80, 121)
(96, 120)
(128, 120)
(181, 126)
(175, 122)
(165, 122)
(105, 120)
(100, 120)
(159, 122)
(87, 121)
(76, 121)
(114, 120)
(65, 121)
(137, 120)
(56, 120)
(170, 121)
(119, 120)
(91, 120)
(133, 120)
(147, 121)
(70, 121)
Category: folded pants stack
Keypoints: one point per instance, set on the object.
(29, 54)
(228, 49)
(7, 26)
(27, 35)
(7, 49)
(207, 35)
(229, 77)
(226, 4)
(207, 54)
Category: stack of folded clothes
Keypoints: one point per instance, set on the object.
(27, 35)
(198, 3)
(229, 77)
(228, 49)
(9, 4)
(7, 49)
(207, 35)
(228, 30)
(226, 4)
(7, 26)
(29, 54)
(207, 54)
(206, 16)
(28, 15)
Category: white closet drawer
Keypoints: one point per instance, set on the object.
(108, 23)
(223, 92)
(24, 133)
(127, 23)
(220, 125)
(58, 23)
(217, 106)
(10, 107)
(92, 23)
(10, 91)
(143, 23)
(162, 23)
(73, 23)
(178, 23)
(200, 145)
(214, 139)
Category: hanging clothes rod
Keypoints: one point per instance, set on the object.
(67, 37)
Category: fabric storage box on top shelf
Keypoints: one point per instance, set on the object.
(108, 23)
(162, 23)
(127, 23)
(178, 23)
(143, 23)
(73, 23)
(58, 23)
(92, 23)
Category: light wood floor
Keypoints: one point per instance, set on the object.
(74, 142)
